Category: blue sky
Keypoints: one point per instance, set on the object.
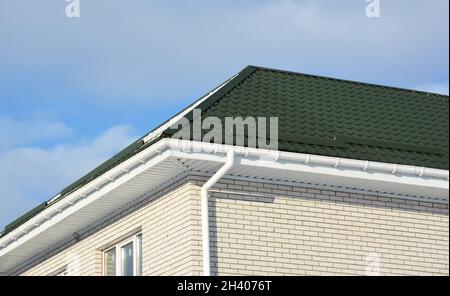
(75, 91)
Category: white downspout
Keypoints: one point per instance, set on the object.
(205, 210)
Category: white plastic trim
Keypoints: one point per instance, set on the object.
(156, 133)
(166, 148)
(309, 159)
(205, 210)
(83, 196)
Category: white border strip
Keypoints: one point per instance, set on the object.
(165, 148)
(156, 133)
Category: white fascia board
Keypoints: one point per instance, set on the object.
(363, 171)
(348, 173)
(201, 150)
(156, 133)
(358, 171)
(85, 195)
(366, 181)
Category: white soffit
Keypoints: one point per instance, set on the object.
(162, 162)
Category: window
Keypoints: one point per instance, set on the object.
(60, 272)
(125, 258)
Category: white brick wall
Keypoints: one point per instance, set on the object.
(166, 222)
(268, 229)
(261, 229)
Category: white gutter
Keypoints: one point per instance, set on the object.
(267, 158)
(205, 210)
(264, 156)
(81, 197)
(404, 175)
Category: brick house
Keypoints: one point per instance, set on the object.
(358, 185)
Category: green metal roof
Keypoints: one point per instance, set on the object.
(341, 118)
(323, 116)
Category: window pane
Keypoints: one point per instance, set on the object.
(110, 262)
(127, 260)
(139, 254)
(62, 273)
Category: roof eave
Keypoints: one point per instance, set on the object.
(337, 171)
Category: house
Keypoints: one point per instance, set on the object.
(356, 183)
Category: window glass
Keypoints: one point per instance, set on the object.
(110, 262)
(62, 273)
(127, 260)
(139, 254)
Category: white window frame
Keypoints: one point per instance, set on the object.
(118, 250)
(60, 272)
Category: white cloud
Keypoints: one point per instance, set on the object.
(31, 175)
(125, 51)
(438, 88)
(15, 132)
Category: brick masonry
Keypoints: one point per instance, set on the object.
(166, 223)
(268, 229)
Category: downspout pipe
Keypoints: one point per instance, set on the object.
(205, 210)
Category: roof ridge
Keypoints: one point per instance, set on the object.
(404, 89)
(220, 94)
